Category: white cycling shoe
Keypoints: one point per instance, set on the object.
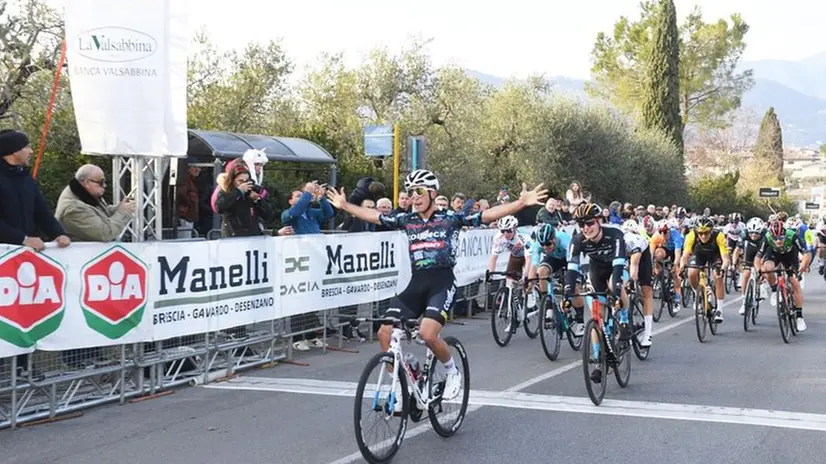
(453, 384)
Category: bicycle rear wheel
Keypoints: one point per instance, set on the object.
(501, 317)
(447, 423)
(658, 310)
(686, 293)
(549, 333)
(622, 364)
(595, 354)
(791, 313)
(380, 403)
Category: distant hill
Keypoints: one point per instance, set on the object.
(781, 84)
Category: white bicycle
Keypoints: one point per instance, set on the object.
(383, 384)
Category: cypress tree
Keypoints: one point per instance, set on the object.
(661, 93)
(770, 142)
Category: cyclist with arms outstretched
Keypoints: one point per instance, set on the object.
(434, 239)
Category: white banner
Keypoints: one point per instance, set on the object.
(98, 294)
(128, 74)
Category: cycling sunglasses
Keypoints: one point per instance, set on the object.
(506, 231)
(587, 223)
(418, 191)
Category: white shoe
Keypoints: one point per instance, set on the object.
(301, 345)
(578, 329)
(718, 316)
(453, 383)
(645, 340)
(801, 324)
(549, 314)
(773, 298)
(317, 343)
(742, 309)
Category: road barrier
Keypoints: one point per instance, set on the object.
(97, 323)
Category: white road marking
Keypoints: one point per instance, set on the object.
(348, 389)
(539, 402)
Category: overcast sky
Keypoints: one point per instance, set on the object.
(504, 38)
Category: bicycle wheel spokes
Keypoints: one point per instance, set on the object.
(622, 364)
(500, 317)
(549, 332)
(638, 328)
(446, 416)
(533, 318)
(380, 429)
(594, 362)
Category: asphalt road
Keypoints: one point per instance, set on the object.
(741, 397)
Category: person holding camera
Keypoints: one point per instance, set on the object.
(303, 218)
(239, 204)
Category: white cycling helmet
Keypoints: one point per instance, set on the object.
(772, 217)
(630, 226)
(421, 178)
(507, 223)
(755, 225)
(793, 223)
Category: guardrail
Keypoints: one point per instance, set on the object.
(71, 339)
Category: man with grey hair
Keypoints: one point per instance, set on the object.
(384, 205)
(83, 211)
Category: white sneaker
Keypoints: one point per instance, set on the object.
(645, 340)
(578, 329)
(317, 343)
(453, 383)
(801, 324)
(301, 345)
(549, 314)
(773, 298)
(718, 316)
(742, 309)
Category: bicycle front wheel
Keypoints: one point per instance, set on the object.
(700, 320)
(501, 317)
(748, 304)
(533, 318)
(376, 409)
(446, 416)
(549, 332)
(594, 357)
(782, 317)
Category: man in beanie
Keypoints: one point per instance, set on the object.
(23, 211)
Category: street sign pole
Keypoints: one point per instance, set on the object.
(396, 162)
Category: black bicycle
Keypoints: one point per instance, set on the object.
(509, 310)
(556, 323)
(664, 286)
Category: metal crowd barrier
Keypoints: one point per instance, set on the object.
(52, 384)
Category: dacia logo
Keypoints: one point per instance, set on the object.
(300, 264)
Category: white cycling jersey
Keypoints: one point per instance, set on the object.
(515, 246)
(635, 243)
(734, 232)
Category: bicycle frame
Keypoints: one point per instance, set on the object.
(423, 399)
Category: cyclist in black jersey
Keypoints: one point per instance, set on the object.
(433, 235)
(605, 248)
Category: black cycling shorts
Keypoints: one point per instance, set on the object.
(600, 274)
(703, 259)
(554, 264)
(732, 244)
(749, 253)
(430, 293)
(646, 269)
(791, 260)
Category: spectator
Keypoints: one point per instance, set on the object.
(458, 201)
(483, 204)
(86, 217)
(384, 205)
(441, 202)
(404, 203)
(366, 187)
(575, 195)
(565, 213)
(239, 206)
(613, 213)
(503, 196)
(605, 218)
(305, 219)
(353, 224)
(23, 210)
(651, 210)
(189, 202)
(83, 212)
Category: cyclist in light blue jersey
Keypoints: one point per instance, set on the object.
(548, 248)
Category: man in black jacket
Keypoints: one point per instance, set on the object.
(23, 211)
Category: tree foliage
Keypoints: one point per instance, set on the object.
(710, 83)
(769, 145)
(660, 109)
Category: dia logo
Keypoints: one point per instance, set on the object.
(32, 289)
(114, 292)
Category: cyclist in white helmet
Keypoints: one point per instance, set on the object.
(434, 238)
(755, 231)
(508, 239)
